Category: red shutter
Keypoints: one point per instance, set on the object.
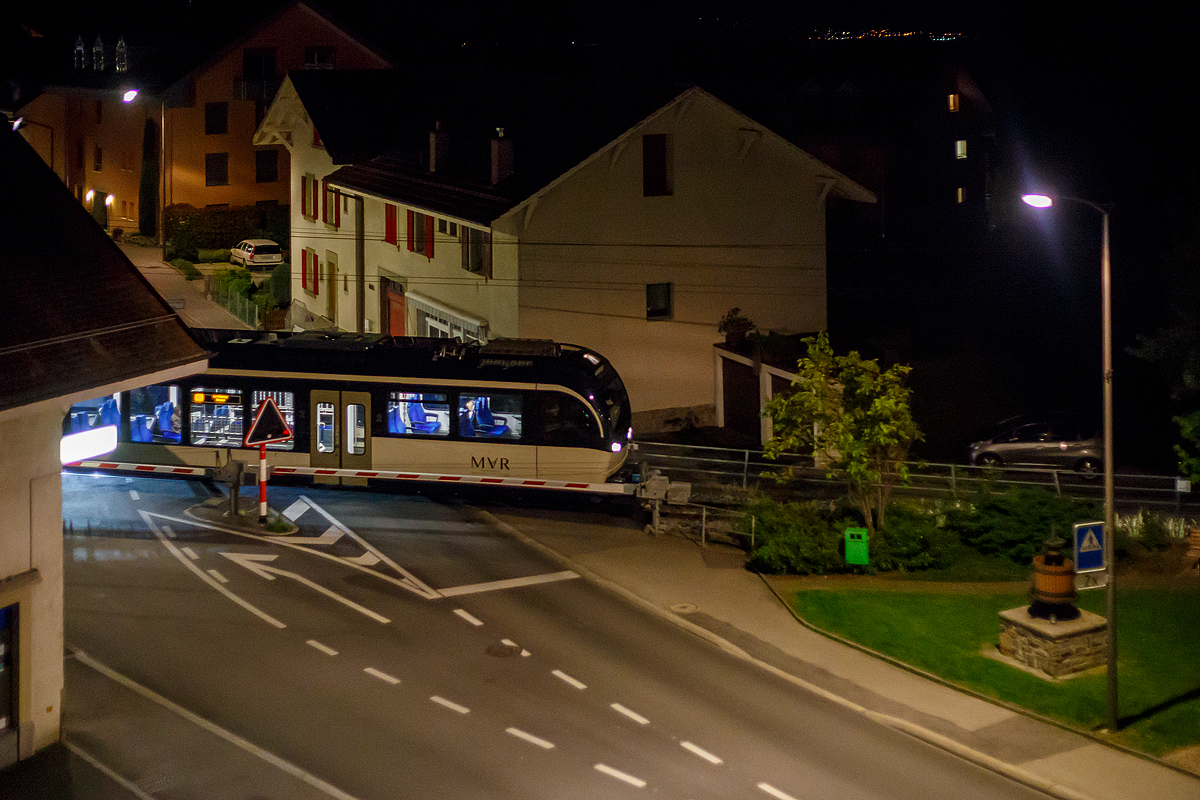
(304, 195)
(316, 276)
(389, 223)
(410, 229)
(487, 255)
(304, 268)
(337, 209)
(324, 201)
(429, 236)
(316, 187)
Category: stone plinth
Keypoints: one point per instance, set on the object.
(1055, 648)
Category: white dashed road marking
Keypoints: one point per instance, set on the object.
(633, 715)
(383, 676)
(133, 495)
(707, 756)
(190, 553)
(441, 701)
(217, 575)
(621, 776)
(771, 790)
(327, 650)
(565, 678)
(467, 616)
(529, 737)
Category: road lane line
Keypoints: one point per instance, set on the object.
(529, 737)
(215, 729)
(217, 575)
(258, 564)
(621, 776)
(383, 676)
(700, 751)
(511, 583)
(124, 782)
(771, 790)
(450, 705)
(329, 651)
(633, 715)
(190, 553)
(167, 530)
(467, 616)
(565, 678)
(208, 578)
(133, 495)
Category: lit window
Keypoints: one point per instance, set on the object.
(286, 403)
(216, 417)
(952, 101)
(962, 195)
(960, 148)
(412, 413)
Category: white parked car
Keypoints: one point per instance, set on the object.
(253, 253)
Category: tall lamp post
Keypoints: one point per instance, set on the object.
(1045, 201)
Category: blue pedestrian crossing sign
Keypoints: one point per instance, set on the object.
(1089, 547)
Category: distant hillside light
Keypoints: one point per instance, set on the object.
(129, 95)
(1038, 200)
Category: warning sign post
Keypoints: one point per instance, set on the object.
(268, 427)
(1091, 569)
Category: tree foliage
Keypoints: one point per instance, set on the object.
(853, 417)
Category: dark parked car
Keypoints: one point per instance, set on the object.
(1060, 441)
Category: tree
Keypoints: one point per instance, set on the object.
(853, 416)
(148, 188)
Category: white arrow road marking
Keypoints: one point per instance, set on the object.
(529, 737)
(204, 577)
(771, 790)
(707, 756)
(256, 563)
(633, 715)
(511, 583)
(450, 705)
(621, 776)
(565, 678)
(413, 585)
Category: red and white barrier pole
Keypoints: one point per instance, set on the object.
(262, 484)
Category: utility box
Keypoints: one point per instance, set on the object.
(856, 546)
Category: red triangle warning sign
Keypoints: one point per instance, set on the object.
(269, 426)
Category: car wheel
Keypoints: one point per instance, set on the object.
(989, 461)
(1089, 468)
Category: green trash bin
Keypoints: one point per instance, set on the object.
(856, 546)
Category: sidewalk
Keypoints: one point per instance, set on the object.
(709, 590)
(186, 297)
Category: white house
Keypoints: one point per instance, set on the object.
(585, 219)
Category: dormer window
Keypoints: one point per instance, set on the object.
(98, 55)
(319, 57)
(122, 56)
(952, 102)
(80, 54)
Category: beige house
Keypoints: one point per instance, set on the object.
(61, 345)
(634, 244)
(204, 96)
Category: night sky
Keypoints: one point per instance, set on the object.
(1088, 103)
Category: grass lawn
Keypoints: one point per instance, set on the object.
(1158, 651)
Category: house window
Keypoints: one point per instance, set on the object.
(266, 166)
(331, 209)
(258, 65)
(309, 193)
(216, 169)
(960, 148)
(309, 271)
(656, 165)
(952, 101)
(389, 224)
(658, 301)
(420, 233)
(447, 227)
(319, 57)
(98, 159)
(216, 118)
(961, 195)
(477, 251)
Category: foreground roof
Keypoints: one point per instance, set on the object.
(80, 315)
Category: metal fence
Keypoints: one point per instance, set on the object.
(714, 471)
(237, 304)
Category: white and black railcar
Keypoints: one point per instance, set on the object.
(357, 402)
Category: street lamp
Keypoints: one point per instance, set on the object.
(1045, 201)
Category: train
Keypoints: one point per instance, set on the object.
(358, 404)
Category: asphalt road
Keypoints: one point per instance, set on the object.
(400, 646)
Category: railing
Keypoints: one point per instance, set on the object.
(711, 469)
(237, 304)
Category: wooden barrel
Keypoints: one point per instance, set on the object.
(1053, 583)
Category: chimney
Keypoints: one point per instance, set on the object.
(502, 157)
(439, 144)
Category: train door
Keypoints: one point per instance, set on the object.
(340, 431)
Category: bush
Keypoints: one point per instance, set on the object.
(118, 234)
(279, 285)
(792, 538)
(913, 539)
(1155, 535)
(213, 256)
(1015, 523)
(188, 229)
(186, 267)
(236, 280)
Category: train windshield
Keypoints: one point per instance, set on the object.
(613, 403)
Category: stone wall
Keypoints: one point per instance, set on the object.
(1055, 648)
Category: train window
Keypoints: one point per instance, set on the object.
(356, 429)
(286, 402)
(412, 413)
(94, 413)
(566, 422)
(326, 416)
(155, 415)
(489, 416)
(216, 417)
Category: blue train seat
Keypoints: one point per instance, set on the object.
(163, 413)
(396, 420)
(109, 415)
(419, 421)
(139, 431)
(464, 423)
(484, 421)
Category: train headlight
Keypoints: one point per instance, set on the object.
(629, 435)
(616, 447)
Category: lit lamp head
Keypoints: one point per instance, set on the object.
(128, 96)
(1038, 200)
